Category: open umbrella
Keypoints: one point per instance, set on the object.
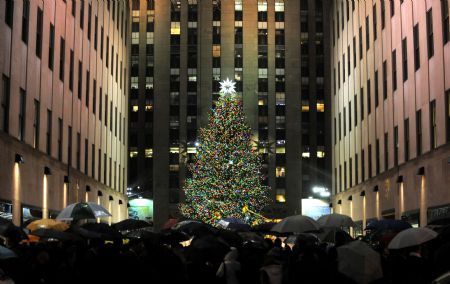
(106, 232)
(130, 225)
(44, 233)
(296, 224)
(412, 237)
(335, 220)
(234, 224)
(141, 234)
(387, 224)
(193, 228)
(264, 227)
(83, 210)
(334, 235)
(11, 231)
(6, 253)
(47, 224)
(359, 262)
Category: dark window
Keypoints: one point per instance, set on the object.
(60, 138)
(406, 138)
(51, 47)
(433, 126)
(340, 127)
(447, 113)
(89, 22)
(369, 159)
(362, 103)
(6, 101)
(62, 54)
(82, 14)
(93, 161)
(354, 52)
(445, 21)
(369, 99)
(36, 124)
(350, 117)
(386, 151)
(376, 87)
(74, 7)
(78, 151)
(419, 132)
(106, 110)
(49, 132)
(350, 166)
(385, 80)
(430, 36)
(377, 157)
(396, 145)
(374, 21)
(100, 105)
(101, 45)
(9, 12)
(39, 29)
(394, 70)
(367, 34)
(107, 51)
(355, 108)
(383, 14)
(71, 70)
(22, 114)
(335, 131)
(416, 47)
(88, 82)
(392, 7)
(80, 78)
(345, 121)
(356, 169)
(360, 44)
(343, 67)
(95, 32)
(25, 20)
(405, 60)
(86, 158)
(94, 97)
(69, 146)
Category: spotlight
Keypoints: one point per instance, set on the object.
(19, 159)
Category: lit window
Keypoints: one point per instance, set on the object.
(280, 98)
(148, 107)
(216, 50)
(134, 82)
(279, 5)
(174, 150)
(279, 25)
(148, 152)
(280, 150)
(191, 150)
(262, 73)
(216, 23)
(174, 168)
(306, 155)
(262, 5)
(150, 38)
(136, 14)
(238, 5)
(133, 154)
(305, 106)
(238, 23)
(281, 195)
(135, 38)
(135, 108)
(320, 106)
(149, 82)
(261, 102)
(262, 26)
(280, 172)
(175, 28)
(320, 154)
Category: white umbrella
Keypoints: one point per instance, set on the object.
(359, 262)
(296, 224)
(335, 220)
(83, 210)
(412, 237)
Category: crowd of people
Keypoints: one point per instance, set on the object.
(216, 256)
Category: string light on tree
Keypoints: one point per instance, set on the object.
(226, 175)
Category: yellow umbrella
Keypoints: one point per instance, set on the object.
(48, 224)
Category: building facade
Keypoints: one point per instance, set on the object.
(390, 65)
(64, 97)
(273, 49)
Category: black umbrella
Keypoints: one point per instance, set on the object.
(53, 234)
(106, 232)
(169, 236)
(194, 228)
(11, 231)
(141, 234)
(264, 227)
(131, 224)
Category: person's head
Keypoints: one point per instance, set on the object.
(277, 243)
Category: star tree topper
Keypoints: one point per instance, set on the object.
(227, 87)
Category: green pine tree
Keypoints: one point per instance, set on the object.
(226, 175)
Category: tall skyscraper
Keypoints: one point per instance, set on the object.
(63, 113)
(390, 62)
(273, 49)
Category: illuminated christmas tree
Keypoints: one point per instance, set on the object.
(226, 175)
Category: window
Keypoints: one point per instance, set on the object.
(447, 113)
(416, 47)
(60, 138)
(25, 20)
(89, 22)
(392, 8)
(51, 47)
(406, 138)
(22, 113)
(355, 108)
(386, 151)
(94, 97)
(93, 161)
(95, 33)
(39, 29)
(445, 21)
(394, 70)
(367, 34)
(49, 132)
(376, 86)
(71, 70)
(88, 81)
(340, 127)
(356, 169)
(74, 7)
(377, 157)
(354, 52)
(405, 60)
(36, 124)
(9, 12)
(101, 45)
(345, 121)
(374, 21)
(433, 126)
(335, 131)
(350, 166)
(360, 44)
(369, 158)
(350, 117)
(369, 99)
(430, 39)
(419, 132)
(362, 103)
(395, 146)
(343, 67)
(363, 165)
(86, 158)
(383, 14)
(82, 14)
(62, 54)
(6, 102)
(107, 51)
(78, 151)
(80, 78)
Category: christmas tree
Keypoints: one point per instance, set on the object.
(226, 175)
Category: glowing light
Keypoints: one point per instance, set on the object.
(423, 203)
(280, 198)
(364, 215)
(401, 199)
(227, 87)
(65, 195)
(45, 198)
(16, 196)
